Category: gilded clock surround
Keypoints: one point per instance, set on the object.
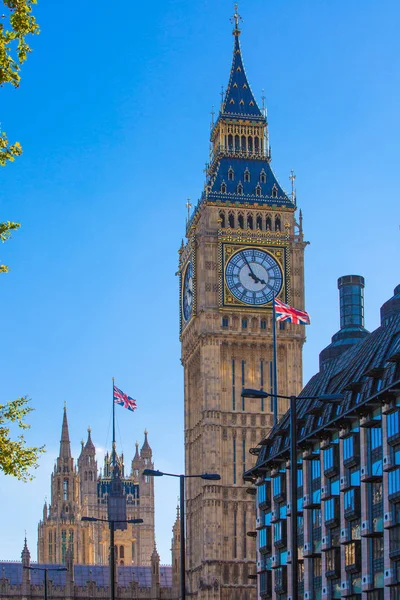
(227, 299)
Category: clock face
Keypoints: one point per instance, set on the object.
(187, 292)
(253, 276)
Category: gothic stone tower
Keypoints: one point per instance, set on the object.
(77, 493)
(243, 246)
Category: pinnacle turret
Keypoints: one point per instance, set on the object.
(65, 446)
(146, 451)
(136, 462)
(89, 446)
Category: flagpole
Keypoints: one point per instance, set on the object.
(274, 361)
(113, 426)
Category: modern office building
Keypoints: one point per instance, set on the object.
(348, 469)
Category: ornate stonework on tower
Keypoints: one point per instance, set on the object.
(80, 492)
(243, 246)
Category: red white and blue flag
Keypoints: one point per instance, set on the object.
(287, 313)
(123, 399)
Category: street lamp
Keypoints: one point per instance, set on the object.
(325, 398)
(111, 523)
(45, 569)
(208, 476)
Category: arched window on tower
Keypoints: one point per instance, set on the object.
(274, 192)
(277, 224)
(258, 190)
(85, 475)
(256, 144)
(71, 539)
(65, 489)
(231, 174)
(249, 221)
(250, 144)
(230, 141)
(226, 574)
(222, 219)
(63, 545)
(223, 188)
(90, 476)
(247, 175)
(240, 188)
(121, 552)
(268, 224)
(259, 222)
(237, 143)
(263, 177)
(243, 143)
(231, 220)
(241, 221)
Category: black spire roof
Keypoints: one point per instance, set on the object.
(239, 100)
(239, 170)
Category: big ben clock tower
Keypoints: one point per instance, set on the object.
(243, 247)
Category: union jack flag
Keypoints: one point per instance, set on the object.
(289, 314)
(123, 399)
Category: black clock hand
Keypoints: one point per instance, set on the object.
(254, 277)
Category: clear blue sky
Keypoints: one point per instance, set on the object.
(113, 114)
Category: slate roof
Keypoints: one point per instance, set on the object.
(352, 374)
(255, 168)
(239, 100)
(99, 574)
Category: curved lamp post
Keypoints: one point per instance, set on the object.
(111, 523)
(207, 476)
(325, 398)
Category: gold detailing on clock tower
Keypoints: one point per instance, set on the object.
(227, 342)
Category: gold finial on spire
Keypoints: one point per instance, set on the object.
(235, 19)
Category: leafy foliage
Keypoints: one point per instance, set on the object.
(8, 152)
(15, 25)
(16, 458)
(5, 234)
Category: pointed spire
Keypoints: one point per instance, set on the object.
(89, 447)
(146, 451)
(155, 555)
(137, 455)
(65, 446)
(239, 99)
(25, 554)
